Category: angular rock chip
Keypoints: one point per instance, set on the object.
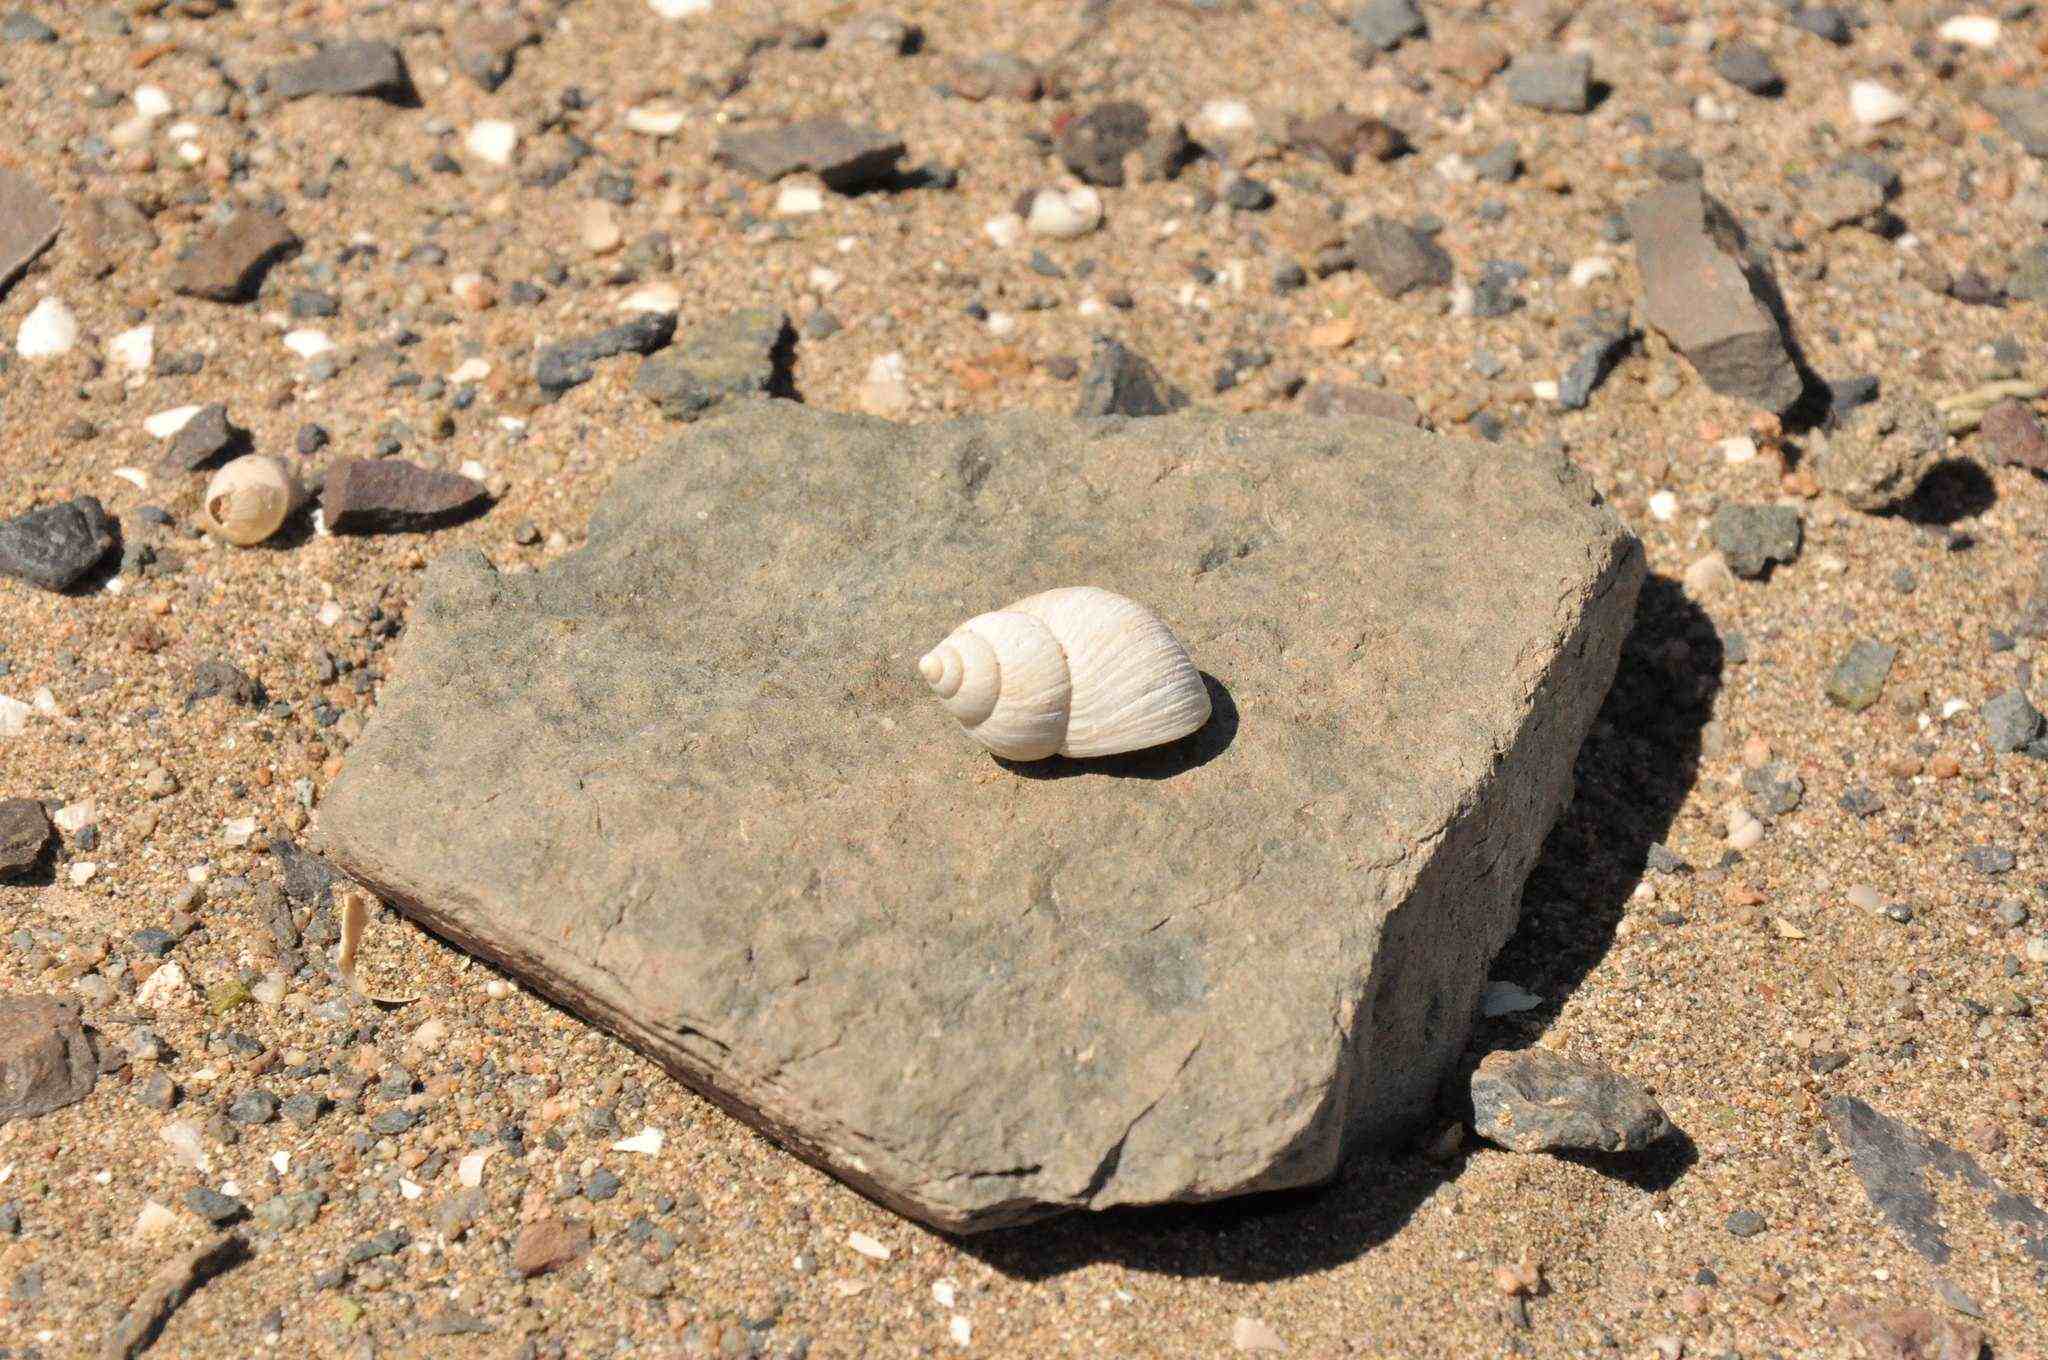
(24, 834)
(846, 156)
(1748, 67)
(308, 879)
(574, 362)
(372, 70)
(2023, 114)
(1701, 289)
(47, 1060)
(1095, 144)
(1556, 82)
(228, 263)
(1398, 258)
(483, 49)
(687, 784)
(1857, 680)
(28, 224)
(549, 1244)
(56, 545)
(1351, 399)
(227, 679)
(1752, 537)
(2012, 723)
(207, 440)
(1122, 382)
(1894, 1160)
(389, 495)
(2014, 437)
(1344, 138)
(741, 355)
(1534, 1100)
(1877, 456)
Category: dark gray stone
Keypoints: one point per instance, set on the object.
(1386, 24)
(1752, 537)
(1990, 860)
(1591, 368)
(1857, 680)
(669, 685)
(47, 1059)
(1557, 82)
(1535, 1100)
(1894, 1161)
(253, 1107)
(373, 70)
(24, 835)
(1399, 259)
(1122, 382)
(213, 1206)
(1745, 1223)
(2011, 722)
(572, 363)
(845, 156)
(29, 222)
(385, 495)
(1748, 67)
(207, 440)
(54, 546)
(222, 677)
(1094, 145)
(1773, 790)
(1706, 292)
(741, 355)
(308, 879)
(1823, 21)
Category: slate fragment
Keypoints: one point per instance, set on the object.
(1894, 1161)
(207, 440)
(1398, 258)
(846, 156)
(571, 363)
(24, 835)
(484, 49)
(55, 546)
(1122, 382)
(726, 651)
(227, 263)
(1701, 289)
(1752, 537)
(389, 495)
(47, 1059)
(743, 354)
(1556, 82)
(29, 222)
(1536, 1100)
(358, 69)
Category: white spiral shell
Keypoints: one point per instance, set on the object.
(1077, 671)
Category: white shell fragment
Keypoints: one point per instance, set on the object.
(247, 501)
(1065, 213)
(1078, 671)
(47, 331)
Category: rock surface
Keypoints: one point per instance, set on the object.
(1753, 537)
(1700, 288)
(845, 156)
(365, 69)
(571, 363)
(1122, 382)
(1534, 1100)
(1398, 258)
(740, 355)
(1095, 144)
(47, 1060)
(207, 440)
(2014, 437)
(1343, 138)
(387, 495)
(56, 545)
(1894, 1161)
(735, 829)
(1557, 82)
(24, 832)
(28, 224)
(228, 263)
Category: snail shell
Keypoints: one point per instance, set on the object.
(1077, 671)
(247, 501)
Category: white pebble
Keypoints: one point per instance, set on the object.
(281, 1163)
(47, 331)
(1663, 506)
(961, 1330)
(73, 818)
(1866, 898)
(1005, 231)
(886, 389)
(1872, 103)
(470, 1170)
(869, 1247)
(1065, 213)
(470, 371)
(329, 615)
(308, 343)
(134, 349)
(1002, 323)
(823, 280)
(409, 1188)
(430, 1035)
(1224, 116)
(269, 990)
(166, 984)
(1739, 449)
(181, 1136)
(1457, 169)
(1544, 389)
(82, 873)
(945, 1293)
(1707, 575)
(493, 140)
(1953, 707)
(1505, 998)
(653, 297)
(1745, 832)
(1092, 306)
(2037, 949)
(1711, 110)
(238, 830)
(1972, 30)
(164, 424)
(647, 1142)
(135, 477)
(679, 9)
(799, 199)
(1252, 1334)
(1591, 269)
(154, 1221)
(656, 120)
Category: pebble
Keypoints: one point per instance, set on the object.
(47, 331)
(548, 1244)
(1064, 214)
(253, 1107)
(1857, 680)
(1537, 1100)
(1989, 859)
(1398, 258)
(215, 1207)
(2014, 437)
(24, 834)
(1557, 82)
(1749, 68)
(1752, 537)
(55, 547)
(1253, 1335)
(1971, 30)
(1874, 104)
(885, 390)
(2012, 723)
(389, 495)
(845, 156)
(1745, 1223)
(493, 141)
(350, 68)
(570, 363)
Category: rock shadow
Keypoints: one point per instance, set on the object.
(1953, 490)
(1634, 771)
(1191, 752)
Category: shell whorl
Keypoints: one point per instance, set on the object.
(1078, 671)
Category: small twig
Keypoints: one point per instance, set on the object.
(1964, 411)
(166, 1289)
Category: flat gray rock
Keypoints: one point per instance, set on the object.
(741, 354)
(47, 1060)
(1534, 1100)
(844, 155)
(28, 224)
(688, 783)
(1897, 1163)
(373, 70)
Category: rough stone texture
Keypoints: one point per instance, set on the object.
(1910, 1334)
(1702, 290)
(1748, 67)
(24, 832)
(1386, 24)
(1596, 360)
(744, 354)
(1752, 537)
(1351, 399)
(1557, 82)
(572, 363)
(689, 784)
(367, 69)
(1399, 259)
(2023, 114)
(1122, 382)
(1343, 138)
(225, 678)
(1894, 1160)
(1878, 455)
(56, 545)
(1842, 198)
(386, 495)
(207, 440)
(1094, 145)
(549, 1244)
(47, 1060)
(1534, 1100)
(110, 229)
(1857, 680)
(228, 263)
(484, 49)
(845, 156)
(2011, 722)
(2013, 436)
(28, 224)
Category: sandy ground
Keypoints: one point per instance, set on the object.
(1728, 990)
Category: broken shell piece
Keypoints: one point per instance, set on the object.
(247, 501)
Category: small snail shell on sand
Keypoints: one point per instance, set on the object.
(1078, 671)
(248, 500)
